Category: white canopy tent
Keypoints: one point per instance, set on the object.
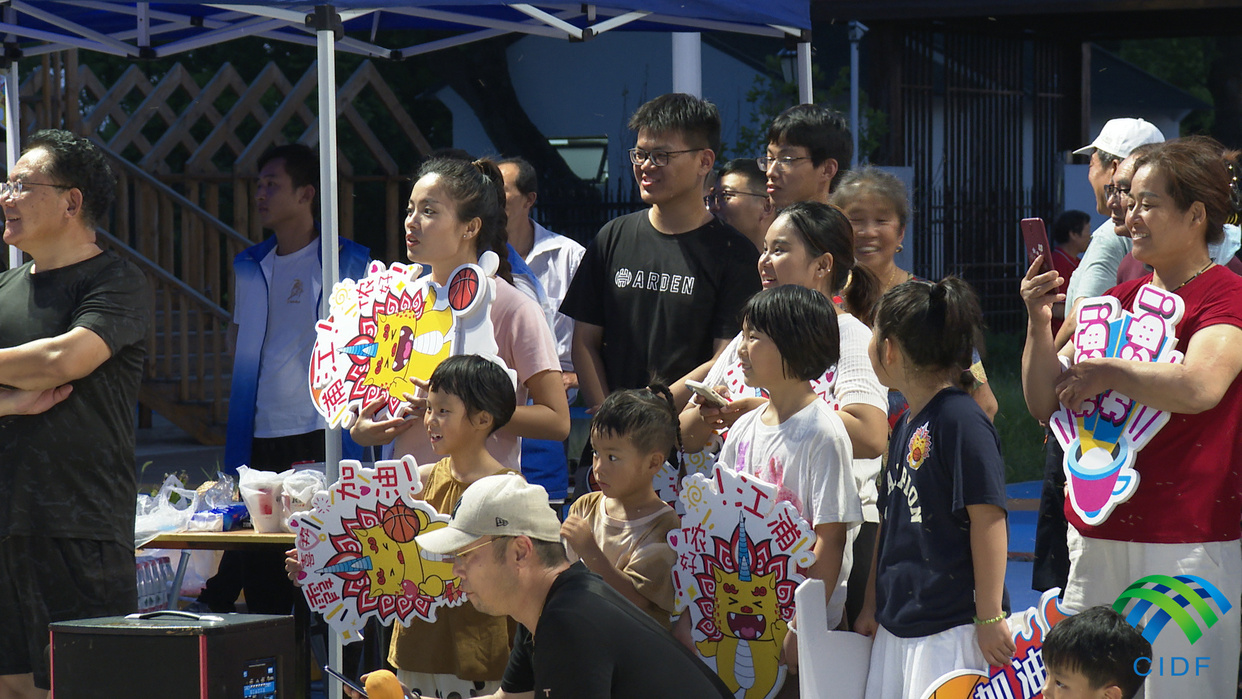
(143, 30)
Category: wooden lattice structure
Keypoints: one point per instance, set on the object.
(186, 156)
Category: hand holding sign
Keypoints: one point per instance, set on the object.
(1102, 430)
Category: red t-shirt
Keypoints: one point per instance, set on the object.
(1189, 473)
(1065, 264)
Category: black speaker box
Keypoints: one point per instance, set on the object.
(174, 655)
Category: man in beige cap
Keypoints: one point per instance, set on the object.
(504, 541)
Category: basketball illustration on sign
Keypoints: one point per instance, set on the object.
(395, 326)
(1102, 440)
(359, 560)
(739, 557)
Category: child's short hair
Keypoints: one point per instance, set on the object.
(695, 119)
(645, 416)
(822, 131)
(938, 326)
(803, 325)
(1099, 645)
(870, 179)
(481, 384)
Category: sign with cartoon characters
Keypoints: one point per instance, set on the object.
(1102, 440)
(393, 326)
(667, 481)
(739, 553)
(1024, 679)
(359, 559)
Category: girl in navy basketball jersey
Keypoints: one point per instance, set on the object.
(936, 601)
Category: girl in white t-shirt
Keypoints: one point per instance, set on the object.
(795, 441)
(456, 212)
(812, 245)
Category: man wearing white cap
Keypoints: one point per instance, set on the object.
(1097, 272)
(505, 544)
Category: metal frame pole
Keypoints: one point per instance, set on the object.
(13, 134)
(687, 63)
(857, 30)
(326, 24)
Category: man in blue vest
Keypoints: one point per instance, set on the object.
(272, 422)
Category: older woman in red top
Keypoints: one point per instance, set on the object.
(1183, 520)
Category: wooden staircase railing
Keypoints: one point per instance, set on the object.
(187, 256)
(188, 367)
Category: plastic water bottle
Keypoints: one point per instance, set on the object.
(167, 575)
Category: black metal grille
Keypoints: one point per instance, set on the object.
(980, 118)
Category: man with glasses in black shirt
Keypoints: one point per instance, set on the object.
(658, 291)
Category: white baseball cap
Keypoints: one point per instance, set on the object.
(1120, 136)
(501, 505)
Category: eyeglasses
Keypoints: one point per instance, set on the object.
(659, 158)
(1112, 190)
(453, 558)
(782, 163)
(15, 189)
(726, 195)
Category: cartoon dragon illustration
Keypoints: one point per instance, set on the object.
(746, 612)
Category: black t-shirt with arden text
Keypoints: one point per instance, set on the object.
(592, 643)
(661, 299)
(69, 472)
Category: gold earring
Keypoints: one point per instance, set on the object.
(900, 247)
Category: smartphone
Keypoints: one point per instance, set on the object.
(345, 680)
(1035, 236)
(706, 393)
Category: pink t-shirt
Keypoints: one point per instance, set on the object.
(526, 346)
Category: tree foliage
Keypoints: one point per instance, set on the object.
(769, 96)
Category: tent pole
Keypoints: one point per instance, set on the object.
(13, 135)
(328, 205)
(805, 92)
(326, 24)
(857, 29)
(687, 63)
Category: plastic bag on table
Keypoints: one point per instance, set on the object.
(297, 490)
(169, 510)
(218, 493)
(261, 491)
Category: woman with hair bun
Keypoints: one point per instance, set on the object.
(1181, 194)
(456, 212)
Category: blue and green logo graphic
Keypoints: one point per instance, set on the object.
(1179, 598)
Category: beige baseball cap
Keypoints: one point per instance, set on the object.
(502, 505)
(1121, 136)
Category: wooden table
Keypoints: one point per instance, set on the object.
(238, 539)
(221, 541)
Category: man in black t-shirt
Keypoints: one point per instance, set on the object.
(72, 322)
(593, 643)
(658, 291)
